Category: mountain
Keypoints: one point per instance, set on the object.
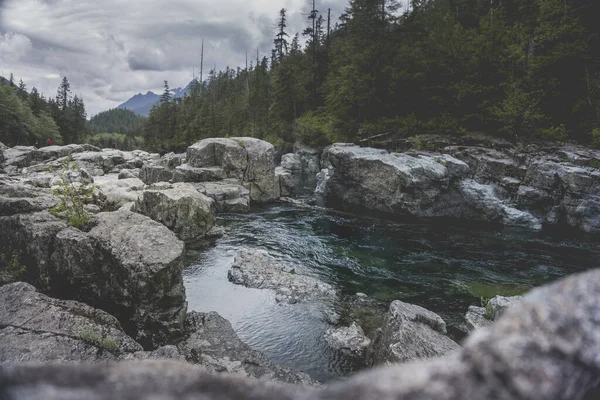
(142, 103)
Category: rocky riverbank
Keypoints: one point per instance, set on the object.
(525, 186)
(112, 288)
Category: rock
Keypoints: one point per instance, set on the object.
(484, 205)
(116, 193)
(228, 195)
(410, 333)
(286, 182)
(127, 174)
(32, 237)
(212, 343)
(127, 265)
(229, 154)
(183, 173)
(17, 198)
(56, 152)
(259, 176)
(497, 305)
(18, 156)
(388, 183)
(169, 352)
(544, 348)
(292, 162)
(257, 269)
(171, 160)
(35, 327)
(488, 165)
(181, 208)
(348, 338)
(475, 318)
(322, 179)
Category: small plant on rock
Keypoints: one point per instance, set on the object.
(92, 336)
(11, 269)
(73, 196)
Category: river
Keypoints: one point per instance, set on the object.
(442, 267)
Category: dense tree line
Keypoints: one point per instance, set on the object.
(28, 118)
(519, 69)
(117, 121)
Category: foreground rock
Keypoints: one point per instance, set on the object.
(127, 265)
(411, 333)
(545, 348)
(480, 317)
(35, 327)
(181, 208)
(212, 343)
(349, 339)
(257, 269)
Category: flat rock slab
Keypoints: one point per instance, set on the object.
(257, 269)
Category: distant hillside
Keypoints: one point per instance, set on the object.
(117, 121)
(142, 103)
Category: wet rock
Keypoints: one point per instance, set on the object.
(257, 269)
(322, 179)
(348, 339)
(181, 208)
(212, 343)
(484, 205)
(35, 327)
(410, 333)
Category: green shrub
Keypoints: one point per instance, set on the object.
(555, 133)
(11, 269)
(90, 335)
(73, 196)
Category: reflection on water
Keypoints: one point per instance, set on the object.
(442, 268)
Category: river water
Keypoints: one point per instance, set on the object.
(444, 268)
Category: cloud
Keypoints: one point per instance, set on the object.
(14, 47)
(113, 49)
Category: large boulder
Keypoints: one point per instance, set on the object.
(212, 343)
(129, 266)
(181, 208)
(17, 157)
(258, 269)
(411, 333)
(230, 154)
(35, 327)
(55, 152)
(389, 183)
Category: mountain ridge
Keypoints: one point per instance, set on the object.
(141, 104)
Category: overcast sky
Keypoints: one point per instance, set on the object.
(112, 49)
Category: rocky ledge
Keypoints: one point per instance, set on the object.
(543, 348)
(526, 187)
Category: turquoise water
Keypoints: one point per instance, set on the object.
(442, 267)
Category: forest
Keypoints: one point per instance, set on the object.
(523, 70)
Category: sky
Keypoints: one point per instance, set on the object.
(111, 50)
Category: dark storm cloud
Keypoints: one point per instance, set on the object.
(113, 49)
